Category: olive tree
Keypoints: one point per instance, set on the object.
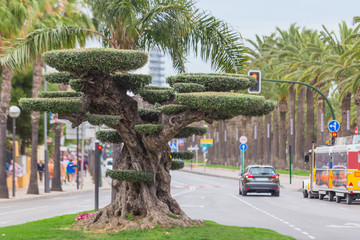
(141, 174)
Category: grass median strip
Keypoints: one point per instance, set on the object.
(60, 228)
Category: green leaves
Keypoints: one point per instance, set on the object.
(54, 105)
(156, 95)
(58, 77)
(131, 81)
(188, 87)
(182, 155)
(176, 165)
(108, 120)
(148, 128)
(59, 94)
(172, 109)
(217, 82)
(226, 104)
(108, 136)
(95, 61)
(130, 175)
(189, 131)
(149, 115)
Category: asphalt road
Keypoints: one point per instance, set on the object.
(217, 199)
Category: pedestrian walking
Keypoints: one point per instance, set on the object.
(63, 166)
(51, 169)
(41, 168)
(71, 171)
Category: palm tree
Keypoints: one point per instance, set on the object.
(14, 14)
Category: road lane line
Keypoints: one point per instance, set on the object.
(26, 209)
(270, 215)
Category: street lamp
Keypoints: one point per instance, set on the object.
(14, 112)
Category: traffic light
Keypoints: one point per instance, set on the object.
(333, 136)
(257, 87)
(100, 149)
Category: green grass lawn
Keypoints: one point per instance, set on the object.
(58, 228)
(294, 172)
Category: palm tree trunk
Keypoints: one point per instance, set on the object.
(275, 142)
(35, 117)
(260, 139)
(268, 140)
(5, 97)
(357, 103)
(300, 138)
(310, 120)
(345, 106)
(283, 108)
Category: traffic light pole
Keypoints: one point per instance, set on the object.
(97, 157)
(308, 85)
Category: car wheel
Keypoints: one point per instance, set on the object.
(277, 194)
(244, 193)
(240, 192)
(305, 194)
(331, 196)
(348, 199)
(321, 196)
(338, 199)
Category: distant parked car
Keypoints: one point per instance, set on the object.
(259, 179)
(108, 163)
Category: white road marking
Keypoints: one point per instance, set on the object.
(197, 206)
(346, 225)
(22, 210)
(270, 215)
(187, 190)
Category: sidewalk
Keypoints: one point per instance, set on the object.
(20, 193)
(296, 181)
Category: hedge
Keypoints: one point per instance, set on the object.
(108, 136)
(130, 175)
(189, 131)
(149, 115)
(188, 87)
(215, 82)
(148, 128)
(176, 165)
(172, 109)
(76, 84)
(58, 77)
(182, 155)
(98, 120)
(59, 94)
(54, 105)
(130, 81)
(95, 61)
(156, 95)
(226, 103)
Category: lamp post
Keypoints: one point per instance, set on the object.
(14, 112)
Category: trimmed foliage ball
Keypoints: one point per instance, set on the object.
(54, 105)
(217, 82)
(98, 120)
(172, 109)
(130, 175)
(95, 61)
(226, 104)
(76, 84)
(149, 115)
(189, 131)
(188, 87)
(156, 95)
(59, 94)
(58, 77)
(108, 136)
(148, 128)
(132, 82)
(176, 165)
(182, 155)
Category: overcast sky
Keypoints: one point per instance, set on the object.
(263, 16)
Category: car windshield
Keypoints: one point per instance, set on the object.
(109, 163)
(262, 171)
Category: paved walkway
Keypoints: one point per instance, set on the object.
(21, 193)
(296, 181)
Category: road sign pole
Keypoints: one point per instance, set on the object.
(242, 161)
(290, 162)
(236, 148)
(255, 145)
(268, 137)
(96, 159)
(205, 161)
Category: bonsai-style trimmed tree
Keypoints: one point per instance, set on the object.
(141, 174)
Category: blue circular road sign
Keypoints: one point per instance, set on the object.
(243, 147)
(334, 126)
